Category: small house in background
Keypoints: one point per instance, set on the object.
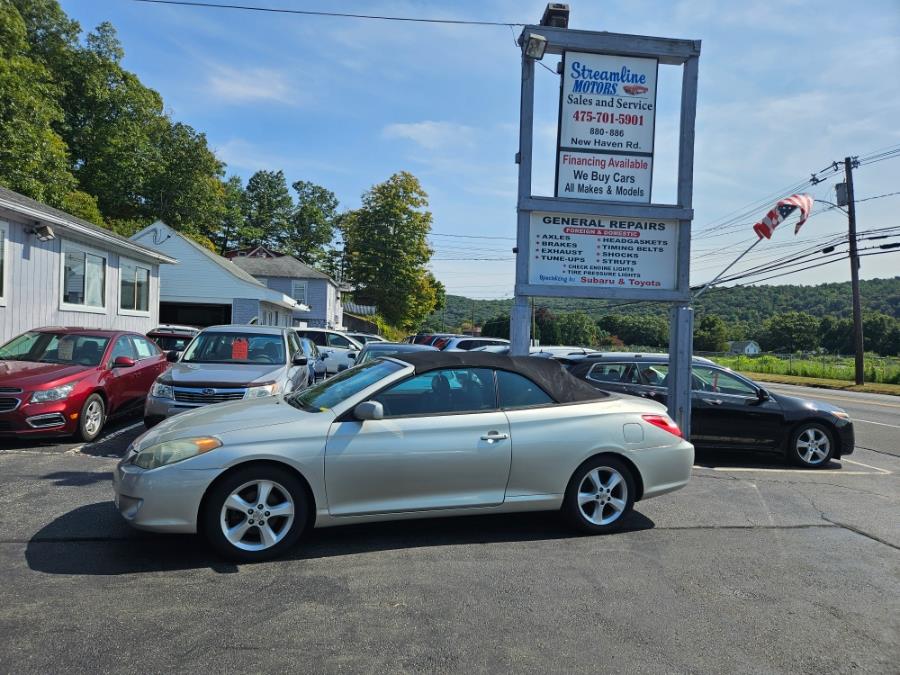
(745, 347)
(205, 289)
(318, 295)
(59, 270)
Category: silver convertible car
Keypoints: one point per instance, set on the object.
(416, 435)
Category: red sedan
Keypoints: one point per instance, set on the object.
(61, 381)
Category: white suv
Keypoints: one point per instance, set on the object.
(466, 343)
(339, 349)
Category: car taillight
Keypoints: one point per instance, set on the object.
(664, 422)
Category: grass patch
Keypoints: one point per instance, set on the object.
(825, 383)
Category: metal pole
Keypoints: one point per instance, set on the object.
(854, 274)
(722, 273)
(519, 323)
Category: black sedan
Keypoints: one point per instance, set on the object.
(729, 412)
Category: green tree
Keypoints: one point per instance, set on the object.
(232, 215)
(546, 327)
(497, 326)
(310, 227)
(836, 334)
(267, 209)
(711, 334)
(387, 250)
(84, 206)
(791, 331)
(184, 189)
(879, 333)
(577, 329)
(33, 158)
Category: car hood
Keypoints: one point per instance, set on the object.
(795, 404)
(221, 374)
(238, 416)
(29, 374)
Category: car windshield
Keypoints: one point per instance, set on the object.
(172, 342)
(342, 386)
(81, 350)
(370, 354)
(235, 347)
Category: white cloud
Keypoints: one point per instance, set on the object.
(247, 157)
(433, 135)
(251, 85)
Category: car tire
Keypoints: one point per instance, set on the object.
(600, 495)
(812, 445)
(237, 534)
(91, 418)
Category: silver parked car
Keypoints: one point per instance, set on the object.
(417, 435)
(230, 363)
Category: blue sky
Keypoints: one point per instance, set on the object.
(785, 88)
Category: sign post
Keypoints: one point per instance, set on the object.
(601, 235)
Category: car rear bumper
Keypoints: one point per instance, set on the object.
(663, 469)
(166, 499)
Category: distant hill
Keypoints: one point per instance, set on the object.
(749, 304)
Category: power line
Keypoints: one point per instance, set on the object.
(343, 15)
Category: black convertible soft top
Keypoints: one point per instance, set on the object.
(547, 373)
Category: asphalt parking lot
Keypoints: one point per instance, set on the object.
(754, 567)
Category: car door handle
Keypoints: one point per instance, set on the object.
(492, 436)
(713, 401)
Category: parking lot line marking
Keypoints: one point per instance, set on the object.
(849, 400)
(808, 472)
(868, 466)
(881, 424)
(103, 439)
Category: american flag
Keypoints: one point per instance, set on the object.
(782, 210)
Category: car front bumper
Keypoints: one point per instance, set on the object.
(34, 420)
(166, 499)
(846, 439)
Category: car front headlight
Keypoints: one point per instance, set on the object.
(160, 390)
(55, 394)
(170, 452)
(262, 391)
(840, 414)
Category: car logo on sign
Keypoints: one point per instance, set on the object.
(209, 392)
(635, 89)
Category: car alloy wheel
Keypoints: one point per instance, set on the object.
(812, 445)
(255, 513)
(600, 494)
(92, 417)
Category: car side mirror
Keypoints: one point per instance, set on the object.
(352, 355)
(368, 410)
(123, 362)
(762, 395)
(323, 355)
(300, 359)
(173, 356)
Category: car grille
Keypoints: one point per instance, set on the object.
(10, 390)
(8, 404)
(5, 426)
(205, 395)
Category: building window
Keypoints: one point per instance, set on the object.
(83, 278)
(134, 287)
(3, 257)
(298, 291)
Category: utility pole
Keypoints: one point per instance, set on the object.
(533, 322)
(854, 272)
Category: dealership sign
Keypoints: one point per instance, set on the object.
(598, 252)
(607, 121)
